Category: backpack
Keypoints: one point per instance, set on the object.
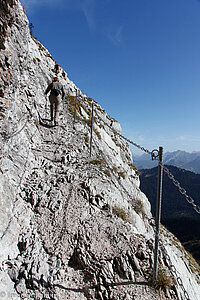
(55, 90)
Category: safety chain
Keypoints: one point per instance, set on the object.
(17, 131)
(155, 156)
(7, 137)
(134, 144)
(174, 271)
(181, 190)
(126, 139)
(154, 153)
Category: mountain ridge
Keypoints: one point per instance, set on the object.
(179, 158)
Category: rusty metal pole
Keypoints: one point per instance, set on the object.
(158, 213)
(91, 129)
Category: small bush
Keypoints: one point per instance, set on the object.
(133, 167)
(71, 105)
(71, 110)
(87, 121)
(49, 55)
(163, 281)
(41, 48)
(97, 161)
(122, 174)
(35, 60)
(115, 169)
(139, 207)
(107, 172)
(87, 138)
(97, 133)
(120, 212)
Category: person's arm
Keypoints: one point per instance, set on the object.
(48, 89)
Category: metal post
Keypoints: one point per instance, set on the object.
(158, 213)
(91, 129)
(66, 109)
(75, 106)
(67, 102)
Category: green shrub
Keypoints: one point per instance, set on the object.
(35, 60)
(107, 172)
(87, 121)
(97, 161)
(133, 167)
(36, 123)
(71, 107)
(97, 133)
(71, 110)
(120, 212)
(164, 281)
(87, 138)
(139, 207)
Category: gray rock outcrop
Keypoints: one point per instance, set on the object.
(71, 226)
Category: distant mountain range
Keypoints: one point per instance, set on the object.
(180, 159)
(177, 214)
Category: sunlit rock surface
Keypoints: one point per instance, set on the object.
(71, 226)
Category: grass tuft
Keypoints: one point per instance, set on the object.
(120, 212)
(107, 172)
(97, 161)
(164, 281)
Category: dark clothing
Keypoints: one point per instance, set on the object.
(58, 86)
(55, 101)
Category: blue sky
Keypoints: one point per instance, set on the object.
(139, 59)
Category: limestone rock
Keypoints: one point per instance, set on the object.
(71, 226)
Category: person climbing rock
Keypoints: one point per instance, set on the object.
(57, 93)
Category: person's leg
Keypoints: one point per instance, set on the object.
(51, 112)
(52, 100)
(57, 109)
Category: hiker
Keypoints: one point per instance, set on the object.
(56, 95)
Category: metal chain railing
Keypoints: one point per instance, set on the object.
(181, 190)
(28, 118)
(155, 156)
(7, 137)
(126, 139)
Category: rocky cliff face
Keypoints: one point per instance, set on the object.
(71, 226)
